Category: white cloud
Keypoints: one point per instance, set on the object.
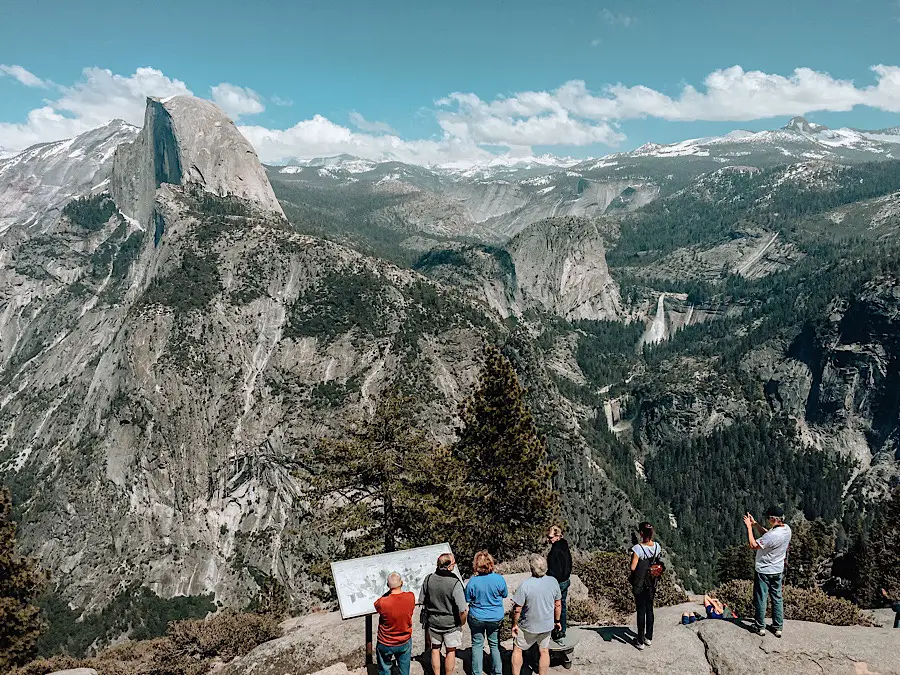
(571, 115)
(614, 19)
(26, 77)
(596, 42)
(363, 124)
(237, 101)
(277, 100)
(100, 96)
(320, 137)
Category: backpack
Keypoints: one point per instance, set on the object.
(648, 571)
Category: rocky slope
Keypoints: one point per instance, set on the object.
(168, 363)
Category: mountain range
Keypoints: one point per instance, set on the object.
(180, 324)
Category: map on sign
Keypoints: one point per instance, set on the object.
(361, 581)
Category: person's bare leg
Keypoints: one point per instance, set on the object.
(450, 661)
(516, 660)
(544, 664)
(435, 660)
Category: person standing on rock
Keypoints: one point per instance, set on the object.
(395, 611)
(559, 566)
(646, 568)
(537, 606)
(444, 604)
(484, 593)
(771, 550)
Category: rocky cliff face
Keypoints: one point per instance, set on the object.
(843, 380)
(38, 182)
(163, 372)
(188, 141)
(561, 268)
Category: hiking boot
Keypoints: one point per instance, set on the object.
(648, 642)
(778, 632)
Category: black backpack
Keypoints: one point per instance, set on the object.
(642, 577)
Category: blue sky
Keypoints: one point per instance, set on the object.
(397, 64)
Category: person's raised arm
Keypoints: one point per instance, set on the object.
(751, 539)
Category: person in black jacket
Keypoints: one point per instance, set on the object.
(559, 566)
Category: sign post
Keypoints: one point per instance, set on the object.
(370, 652)
(361, 581)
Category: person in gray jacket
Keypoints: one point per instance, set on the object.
(444, 605)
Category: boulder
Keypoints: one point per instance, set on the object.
(76, 671)
(806, 648)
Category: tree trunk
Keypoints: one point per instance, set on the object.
(390, 529)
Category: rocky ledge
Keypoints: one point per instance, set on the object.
(326, 645)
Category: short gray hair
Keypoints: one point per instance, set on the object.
(394, 580)
(538, 564)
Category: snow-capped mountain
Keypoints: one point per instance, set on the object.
(798, 140)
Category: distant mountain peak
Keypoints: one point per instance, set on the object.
(802, 125)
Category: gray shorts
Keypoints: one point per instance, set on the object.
(525, 640)
(452, 639)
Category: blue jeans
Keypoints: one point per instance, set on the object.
(385, 654)
(479, 630)
(564, 590)
(763, 585)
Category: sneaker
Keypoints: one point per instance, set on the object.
(761, 632)
(778, 632)
(648, 642)
(639, 645)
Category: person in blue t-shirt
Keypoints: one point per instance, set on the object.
(484, 593)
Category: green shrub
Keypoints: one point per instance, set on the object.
(605, 574)
(592, 612)
(226, 635)
(799, 604)
(189, 648)
(91, 213)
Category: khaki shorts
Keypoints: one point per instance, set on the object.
(452, 639)
(524, 640)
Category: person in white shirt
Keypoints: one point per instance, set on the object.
(771, 550)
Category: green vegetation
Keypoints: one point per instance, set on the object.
(91, 213)
(190, 286)
(507, 498)
(20, 583)
(877, 557)
(605, 573)
(607, 350)
(713, 210)
(384, 481)
(136, 612)
(189, 647)
(799, 605)
(455, 257)
(710, 481)
(338, 303)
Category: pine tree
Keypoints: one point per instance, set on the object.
(878, 558)
(383, 483)
(20, 583)
(506, 500)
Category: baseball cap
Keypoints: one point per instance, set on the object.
(775, 512)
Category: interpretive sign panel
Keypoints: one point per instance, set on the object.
(361, 581)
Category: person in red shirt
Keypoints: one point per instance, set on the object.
(395, 612)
